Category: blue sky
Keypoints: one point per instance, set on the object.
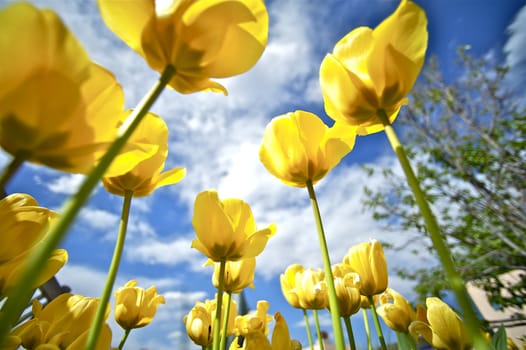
(217, 139)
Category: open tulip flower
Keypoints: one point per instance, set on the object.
(396, 311)
(298, 147)
(368, 260)
(57, 108)
(135, 307)
(22, 223)
(200, 39)
(373, 69)
(62, 324)
(226, 229)
(304, 288)
(441, 327)
(256, 322)
(147, 175)
(347, 285)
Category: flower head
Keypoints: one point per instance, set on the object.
(57, 108)
(238, 275)
(396, 311)
(256, 322)
(135, 307)
(368, 260)
(200, 39)
(443, 329)
(147, 175)
(298, 147)
(226, 229)
(347, 285)
(373, 69)
(304, 288)
(23, 225)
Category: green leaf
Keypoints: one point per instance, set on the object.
(499, 341)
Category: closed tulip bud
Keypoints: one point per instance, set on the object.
(288, 284)
(238, 275)
(396, 311)
(372, 69)
(135, 307)
(444, 329)
(347, 284)
(199, 324)
(368, 260)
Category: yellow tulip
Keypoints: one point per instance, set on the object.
(256, 322)
(288, 284)
(374, 69)
(147, 175)
(347, 285)
(135, 307)
(298, 147)
(238, 275)
(62, 324)
(304, 288)
(57, 108)
(368, 260)
(23, 225)
(396, 311)
(444, 329)
(226, 229)
(200, 39)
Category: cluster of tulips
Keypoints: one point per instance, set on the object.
(60, 109)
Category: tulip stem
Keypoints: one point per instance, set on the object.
(11, 169)
(112, 274)
(307, 326)
(20, 295)
(367, 329)
(333, 300)
(124, 337)
(226, 316)
(455, 281)
(219, 304)
(350, 333)
(318, 330)
(377, 323)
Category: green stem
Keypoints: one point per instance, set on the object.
(96, 326)
(11, 169)
(21, 294)
(333, 300)
(219, 304)
(377, 323)
(350, 333)
(318, 330)
(222, 346)
(367, 329)
(307, 326)
(455, 281)
(124, 337)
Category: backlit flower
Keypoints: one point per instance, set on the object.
(304, 288)
(226, 229)
(200, 39)
(255, 322)
(57, 108)
(373, 69)
(288, 284)
(23, 225)
(135, 307)
(368, 260)
(62, 324)
(238, 275)
(298, 147)
(347, 285)
(396, 311)
(147, 175)
(444, 329)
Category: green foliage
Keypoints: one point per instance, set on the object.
(467, 143)
(499, 341)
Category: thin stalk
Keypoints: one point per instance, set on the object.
(20, 295)
(219, 304)
(402, 341)
(226, 315)
(96, 326)
(455, 281)
(377, 323)
(11, 169)
(350, 333)
(333, 300)
(367, 329)
(124, 337)
(318, 330)
(307, 326)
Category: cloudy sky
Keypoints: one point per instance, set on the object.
(217, 139)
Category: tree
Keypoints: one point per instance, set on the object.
(467, 143)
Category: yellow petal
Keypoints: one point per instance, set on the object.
(170, 177)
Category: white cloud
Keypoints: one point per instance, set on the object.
(99, 219)
(514, 49)
(66, 184)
